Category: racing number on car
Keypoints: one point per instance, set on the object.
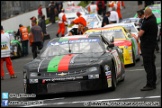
(118, 62)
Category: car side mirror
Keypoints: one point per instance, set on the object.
(110, 46)
(111, 39)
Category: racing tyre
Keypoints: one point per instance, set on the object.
(19, 52)
(114, 81)
(134, 59)
(25, 82)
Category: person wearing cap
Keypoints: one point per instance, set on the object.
(80, 21)
(93, 8)
(5, 54)
(23, 33)
(61, 22)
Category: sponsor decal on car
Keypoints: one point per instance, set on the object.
(62, 78)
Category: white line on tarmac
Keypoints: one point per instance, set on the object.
(84, 102)
(142, 69)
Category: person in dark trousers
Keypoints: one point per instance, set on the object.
(101, 7)
(42, 24)
(23, 33)
(59, 5)
(53, 12)
(140, 5)
(148, 36)
(105, 19)
(148, 2)
(36, 38)
(140, 14)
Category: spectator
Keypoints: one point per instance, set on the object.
(53, 12)
(36, 38)
(23, 33)
(110, 5)
(42, 24)
(62, 20)
(148, 36)
(113, 18)
(140, 15)
(105, 19)
(93, 8)
(5, 54)
(31, 19)
(59, 5)
(70, 3)
(101, 6)
(40, 13)
(118, 6)
(140, 5)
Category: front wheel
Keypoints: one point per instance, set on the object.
(134, 59)
(113, 78)
(19, 52)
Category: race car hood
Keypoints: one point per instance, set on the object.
(122, 43)
(70, 15)
(92, 25)
(65, 63)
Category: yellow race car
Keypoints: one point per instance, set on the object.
(123, 39)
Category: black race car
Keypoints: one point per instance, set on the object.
(74, 63)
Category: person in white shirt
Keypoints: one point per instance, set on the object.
(71, 3)
(93, 8)
(113, 18)
(5, 54)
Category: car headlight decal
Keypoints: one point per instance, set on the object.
(33, 81)
(33, 74)
(107, 68)
(93, 76)
(92, 69)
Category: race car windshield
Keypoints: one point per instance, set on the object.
(116, 33)
(92, 21)
(92, 32)
(73, 10)
(89, 45)
(130, 27)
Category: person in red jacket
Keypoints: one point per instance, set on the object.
(80, 21)
(40, 13)
(62, 20)
(119, 5)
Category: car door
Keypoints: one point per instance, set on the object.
(115, 53)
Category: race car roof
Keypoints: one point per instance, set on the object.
(105, 28)
(118, 24)
(72, 7)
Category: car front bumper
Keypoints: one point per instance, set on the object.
(66, 86)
